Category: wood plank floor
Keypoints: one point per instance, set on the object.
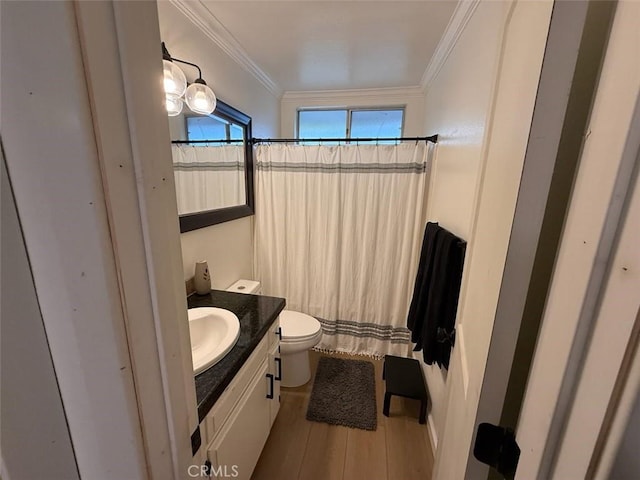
(299, 449)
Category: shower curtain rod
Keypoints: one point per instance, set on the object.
(207, 141)
(432, 139)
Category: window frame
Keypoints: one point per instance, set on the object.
(350, 110)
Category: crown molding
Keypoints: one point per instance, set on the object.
(463, 12)
(378, 94)
(201, 17)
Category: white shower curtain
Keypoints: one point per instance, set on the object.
(208, 177)
(338, 233)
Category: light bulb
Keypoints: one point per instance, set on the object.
(200, 101)
(169, 85)
(175, 83)
(174, 105)
(200, 98)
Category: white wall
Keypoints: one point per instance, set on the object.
(412, 98)
(32, 415)
(228, 247)
(480, 103)
(457, 109)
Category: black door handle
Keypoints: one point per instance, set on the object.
(278, 361)
(270, 394)
(279, 332)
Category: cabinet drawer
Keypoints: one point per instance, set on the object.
(231, 395)
(239, 443)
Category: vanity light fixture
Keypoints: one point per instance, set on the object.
(173, 104)
(198, 96)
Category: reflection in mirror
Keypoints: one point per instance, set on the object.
(209, 175)
(212, 162)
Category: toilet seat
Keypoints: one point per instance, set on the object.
(298, 326)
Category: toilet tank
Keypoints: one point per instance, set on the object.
(245, 286)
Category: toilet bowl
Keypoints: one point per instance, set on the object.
(299, 333)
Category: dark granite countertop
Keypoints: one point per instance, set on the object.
(256, 314)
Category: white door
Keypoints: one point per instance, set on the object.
(544, 85)
(609, 356)
(582, 356)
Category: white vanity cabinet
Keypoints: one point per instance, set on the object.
(239, 423)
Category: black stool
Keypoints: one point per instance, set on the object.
(403, 377)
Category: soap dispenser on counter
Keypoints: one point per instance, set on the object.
(202, 279)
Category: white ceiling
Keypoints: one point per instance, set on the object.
(328, 45)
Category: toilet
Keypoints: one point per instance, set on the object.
(299, 333)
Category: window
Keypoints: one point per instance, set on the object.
(322, 123)
(376, 123)
(211, 127)
(351, 123)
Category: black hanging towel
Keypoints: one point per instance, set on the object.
(417, 310)
(432, 313)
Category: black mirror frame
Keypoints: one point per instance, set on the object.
(194, 221)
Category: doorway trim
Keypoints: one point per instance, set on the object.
(122, 62)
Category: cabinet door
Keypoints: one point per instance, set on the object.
(237, 389)
(275, 333)
(237, 448)
(275, 367)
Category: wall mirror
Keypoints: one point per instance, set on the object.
(212, 166)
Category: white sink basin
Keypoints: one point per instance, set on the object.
(214, 332)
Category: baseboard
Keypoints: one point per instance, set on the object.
(432, 434)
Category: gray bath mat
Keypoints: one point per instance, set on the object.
(344, 393)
